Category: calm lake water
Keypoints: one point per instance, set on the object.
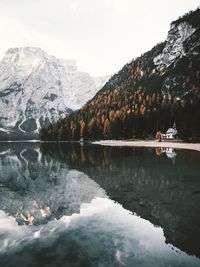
(71, 205)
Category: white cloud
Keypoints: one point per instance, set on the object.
(101, 35)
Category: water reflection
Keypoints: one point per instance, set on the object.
(54, 209)
(168, 151)
(102, 234)
(163, 191)
(36, 189)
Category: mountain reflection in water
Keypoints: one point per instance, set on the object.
(162, 189)
(57, 206)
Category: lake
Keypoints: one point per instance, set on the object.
(71, 205)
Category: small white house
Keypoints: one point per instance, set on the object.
(171, 133)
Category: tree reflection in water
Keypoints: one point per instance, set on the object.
(160, 187)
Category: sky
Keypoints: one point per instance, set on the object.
(101, 35)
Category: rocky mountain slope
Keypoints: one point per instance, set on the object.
(37, 89)
(148, 94)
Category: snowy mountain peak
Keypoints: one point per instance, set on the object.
(24, 55)
(21, 62)
(37, 89)
(25, 50)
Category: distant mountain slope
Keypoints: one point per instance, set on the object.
(37, 89)
(149, 94)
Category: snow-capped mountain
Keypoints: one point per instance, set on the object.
(37, 89)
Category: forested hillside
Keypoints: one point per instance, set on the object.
(149, 94)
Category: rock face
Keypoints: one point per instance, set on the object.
(174, 47)
(37, 89)
(180, 56)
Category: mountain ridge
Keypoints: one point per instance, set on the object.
(37, 89)
(148, 94)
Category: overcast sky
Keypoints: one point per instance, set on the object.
(102, 35)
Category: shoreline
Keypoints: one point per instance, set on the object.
(176, 145)
(124, 143)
